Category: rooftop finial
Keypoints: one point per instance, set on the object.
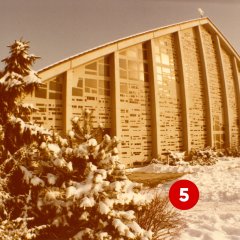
(201, 12)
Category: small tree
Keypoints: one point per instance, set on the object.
(16, 81)
(161, 218)
(83, 128)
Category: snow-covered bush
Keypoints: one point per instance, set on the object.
(232, 152)
(72, 191)
(80, 192)
(83, 128)
(207, 156)
(172, 158)
(18, 229)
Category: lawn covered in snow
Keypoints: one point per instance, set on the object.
(217, 213)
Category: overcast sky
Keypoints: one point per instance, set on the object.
(60, 28)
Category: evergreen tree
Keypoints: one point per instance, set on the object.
(16, 81)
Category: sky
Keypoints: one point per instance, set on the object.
(58, 29)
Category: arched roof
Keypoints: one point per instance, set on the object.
(86, 56)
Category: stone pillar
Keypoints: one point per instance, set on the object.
(224, 92)
(184, 95)
(155, 122)
(207, 96)
(67, 101)
(115, 95)
(237, 84)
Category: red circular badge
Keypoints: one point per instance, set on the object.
(183, 194)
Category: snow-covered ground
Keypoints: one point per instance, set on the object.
(217, 213)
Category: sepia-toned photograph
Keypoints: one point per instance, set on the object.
(120, 120)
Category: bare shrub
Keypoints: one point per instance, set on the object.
(161, 218)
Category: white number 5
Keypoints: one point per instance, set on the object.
(184, 195)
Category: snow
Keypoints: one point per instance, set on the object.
(43, 145)
(87, 202)
(135, 227)
(85, 216)
(51, 178)
(60, 162)
(71, 191)
(51, 195)
(115, 151)
(70, 166)
(35, 181)
(120, 226)
(103, 208)
(217, 213)
(106, 138)
(75, 119)
(92, 142)
(129, 215)
(27, 175)
(32, 78)
(71, 134)
(54, 148)
(98, 178)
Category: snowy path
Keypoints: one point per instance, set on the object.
(217, 214)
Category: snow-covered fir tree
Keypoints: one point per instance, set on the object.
(16, 80)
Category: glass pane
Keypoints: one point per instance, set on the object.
(133, 75)
(141, 76)
(101, 91)
(91, 73)
(132, 53)
(166, 70)
(132, 65)
(165, 59)
(146, 77)
(92, 83)
(123, 74)
(145, 67)
(107, 84)
(92, 66)
(123, 63)
(104, 70)
(53, 95)
(41, 93)
(107, 92)
(55, 86)
(80, 83)
(77, 92)
(159, 70)
(124, 88)
(145, 56)
(101, 83)
(158, 60)
(123, 53)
